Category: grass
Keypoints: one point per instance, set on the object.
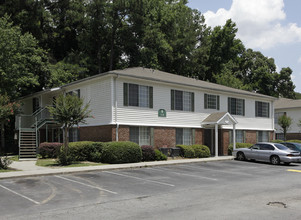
(7, 170)
(54, 163)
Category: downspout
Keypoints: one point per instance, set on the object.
(115, 107)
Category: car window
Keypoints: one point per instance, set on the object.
(291, 146)
(266, 147)
(255, 147)
(298, 145)
(281, 147)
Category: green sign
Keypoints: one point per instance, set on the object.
(161, 113)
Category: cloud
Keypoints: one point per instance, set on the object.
(299, 60)
(259, 23)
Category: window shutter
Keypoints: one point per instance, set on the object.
(193, 136)
(78, 134)
(256, 109)
(152, 137)
(257, 136)
(78, 93)
(192, 102)
(125, 94)
(268, 110)
(243, 107)
(229, 105)
(244, 136)
(172, 99)
(205, 101)
(150, 90)
(217, 102)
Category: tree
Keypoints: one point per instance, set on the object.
(7, 109)
(285, 85)
(285, 123)
(69, 110)
(23, 64)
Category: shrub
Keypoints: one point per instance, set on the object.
(238, 145)
(50, 150)
(295, 141)
(187, 151)
(148, 153)
(64, 159)
(160, 155)
(5, 162)
(277, 141)
(121, 152)
(201, 151)
(86, 150)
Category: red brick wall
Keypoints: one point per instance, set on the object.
(251, 137)
(199, 136)
(271, 135)
(164, 137)
(293, 136)
(96, 133)
(225, 142)
(123, 133)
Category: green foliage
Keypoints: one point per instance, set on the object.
(284, 122)
(86, 151)
(5, 162)
(201, 151)
(277, 141)
(238, 145)
(298, 95)
(50, 150)
(64, 158)
(295, 141)
(148, 153)
(187, 151)
(121, 152)
(159, 155)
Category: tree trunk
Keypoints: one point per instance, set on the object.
(2, 137)
(66, 139)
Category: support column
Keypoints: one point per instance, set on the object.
(216, 140)
(234, 137)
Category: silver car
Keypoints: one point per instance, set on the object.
(268, 152)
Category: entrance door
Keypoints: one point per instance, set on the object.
(209, 140)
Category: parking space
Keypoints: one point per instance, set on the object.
(46, 193)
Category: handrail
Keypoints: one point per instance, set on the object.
(37, 111)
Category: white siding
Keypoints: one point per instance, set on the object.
(162, 100)
(98, 93)
(295, 114)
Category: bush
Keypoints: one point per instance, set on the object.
(64, 159)
(187, 151)
(121, 152)
(86, 150)
(277, 141)
(148, 153)
(50, 150)
(159, 155)
(295, 141)
(238, 145)
(5, 162)
(201, 151)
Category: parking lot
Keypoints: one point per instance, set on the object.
(219, 190)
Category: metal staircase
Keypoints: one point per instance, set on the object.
(28, 126)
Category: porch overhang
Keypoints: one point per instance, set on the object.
(220, 118)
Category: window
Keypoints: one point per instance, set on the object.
(137, 95)
(183, 101)
(35, 104)
(184, 136)
(236, 106)
(279, 136)
(74, 92)
(211, 101)
(140, 135)
(262, 109)
(73, 134)
(239, 135)
(262, 136)
(277, 115)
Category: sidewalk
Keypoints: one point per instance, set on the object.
(29, 169)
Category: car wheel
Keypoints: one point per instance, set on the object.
(240, 156)
(287, 163)
(275, 160)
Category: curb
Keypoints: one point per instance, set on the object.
(68, 170)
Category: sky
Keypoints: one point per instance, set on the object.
(272, 27)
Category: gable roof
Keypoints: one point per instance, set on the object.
(219, 118)
(160, 76)
(283, 103)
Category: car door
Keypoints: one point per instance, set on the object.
(253, 152)
(265, 152)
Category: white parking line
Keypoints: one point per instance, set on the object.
(88, 185)
(138, 178)
(216, 170)
(184, 174)
(25, 197)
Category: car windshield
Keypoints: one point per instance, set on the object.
(281, 147)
